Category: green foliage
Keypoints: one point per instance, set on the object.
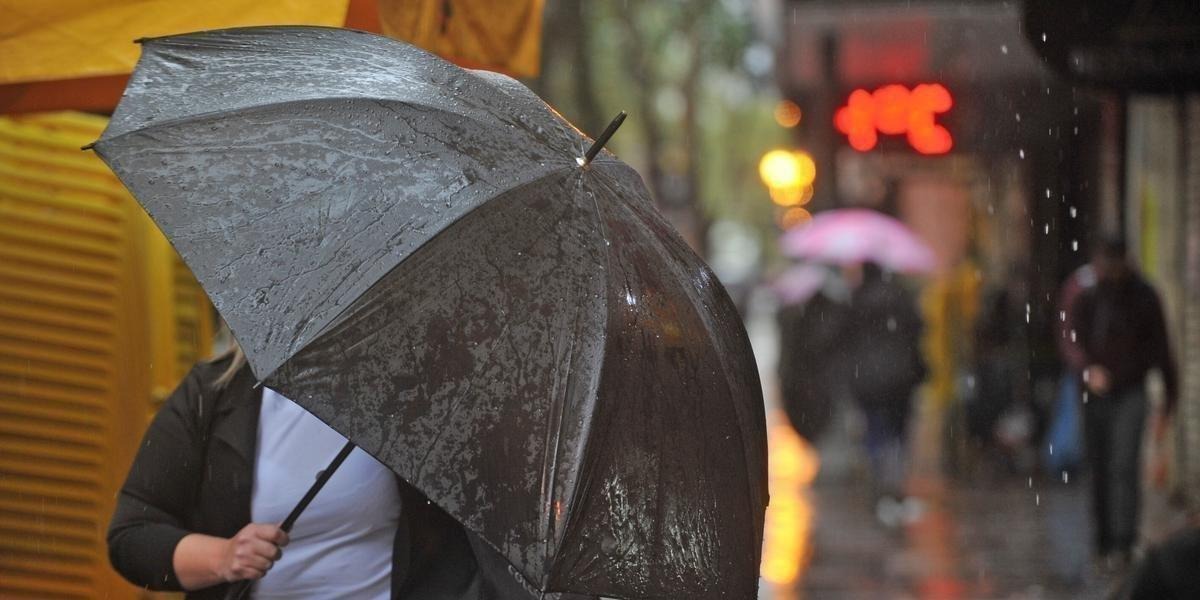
(696, 114)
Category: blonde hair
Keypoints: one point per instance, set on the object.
(232, 350)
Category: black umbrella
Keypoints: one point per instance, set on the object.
(423, 258)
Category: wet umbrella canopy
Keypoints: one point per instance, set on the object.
(414, 253)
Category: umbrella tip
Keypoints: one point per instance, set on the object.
(88, 146)
(602, 139)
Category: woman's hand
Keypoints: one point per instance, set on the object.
(203, 560)
(252, 552)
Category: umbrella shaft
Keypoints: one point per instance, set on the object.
(322, 478)
(241, 588)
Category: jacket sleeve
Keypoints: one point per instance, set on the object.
(153, 506)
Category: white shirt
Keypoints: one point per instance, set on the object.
(341, 546)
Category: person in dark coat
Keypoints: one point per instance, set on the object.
(183, 517)
(885, 366)
(1120, 335)
(811, 361)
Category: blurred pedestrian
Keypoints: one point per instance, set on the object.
(1120, 335)
(885, 366)
(995, 397)
(1064, 450)
(812, 358)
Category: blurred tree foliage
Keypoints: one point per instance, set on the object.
(700, 112)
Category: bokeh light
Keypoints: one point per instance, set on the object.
(787, 113)
(786, 169)
(792, 196)
(794, 217)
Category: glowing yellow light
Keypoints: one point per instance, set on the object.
(793, 465)
(787, 113)
(784, 169)
(778, 169)
(792, 196)
(806, 169)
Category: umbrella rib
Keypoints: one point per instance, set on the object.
(586, 439)
(720, 358)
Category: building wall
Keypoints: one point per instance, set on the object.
(1162, 218)
(1189, 421)
(99, 320)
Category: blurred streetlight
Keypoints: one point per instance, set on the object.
(788, 176)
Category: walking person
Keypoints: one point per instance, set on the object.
(812, 358)
(1120, 335)
(885, 366)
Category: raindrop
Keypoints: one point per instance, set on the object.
(1075, 245)
(1021, 153)
(1018, 117)
(1046, 229)
(1051, 449)
(1073, 212)
(1062, 316)
(1003, 48)
(1031, 483)
(1066, 476)
(1043, 36)
(1047, 192)
(1037, 499)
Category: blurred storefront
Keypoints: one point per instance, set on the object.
(1162, 208)
(998, 163)
(1148, 56)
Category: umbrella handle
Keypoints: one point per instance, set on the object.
(239, 590)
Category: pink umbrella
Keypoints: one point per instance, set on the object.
(856, 235)
(798, 283)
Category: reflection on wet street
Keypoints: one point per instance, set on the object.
(1003, 539)
(788, 533)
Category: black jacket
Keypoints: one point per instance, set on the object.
(1121, 327)
(193, 474)
(883, 339)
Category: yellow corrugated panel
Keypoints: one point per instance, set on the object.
(81, 267)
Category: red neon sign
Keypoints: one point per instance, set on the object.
(894, 110)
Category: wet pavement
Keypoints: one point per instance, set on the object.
(1005, 538)
(990, 536)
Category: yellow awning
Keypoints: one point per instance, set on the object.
(76, 53)
(501, 36)
(68, 39)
